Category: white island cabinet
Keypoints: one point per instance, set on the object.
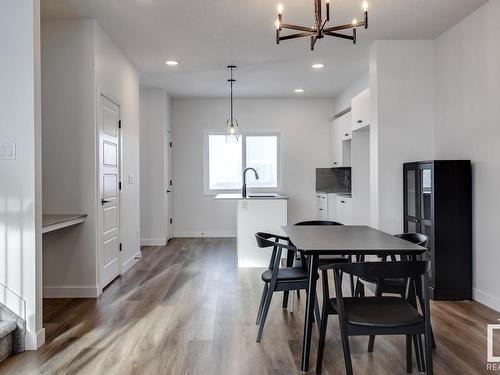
(257, 214)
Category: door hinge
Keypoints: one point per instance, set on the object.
(121, 246)
(171, 220)
(119, 124)
(120, 185)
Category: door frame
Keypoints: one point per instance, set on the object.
(168, 171)
(99, 217)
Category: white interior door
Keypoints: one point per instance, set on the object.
(170, 186)
(109, 150)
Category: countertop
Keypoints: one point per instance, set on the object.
(345, 195)
(252, 196)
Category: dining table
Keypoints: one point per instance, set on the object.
(358, 241)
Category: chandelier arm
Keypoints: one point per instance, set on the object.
(338, 35)
(345, 27)
(323, 25)
(294, 36)
(297, 27)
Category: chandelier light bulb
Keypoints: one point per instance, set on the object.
(277, 23)
(280, 8)
(365, 6)
(232, 129)
(354, 21)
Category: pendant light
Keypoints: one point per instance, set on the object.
(232, 126)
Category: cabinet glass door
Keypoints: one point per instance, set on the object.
(411, 197)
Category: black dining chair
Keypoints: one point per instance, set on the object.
(392, 286)
(278, 279)
(328, 259)
(377, 315)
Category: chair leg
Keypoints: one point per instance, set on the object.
(371, 340)
(261, 304)
(421, 302)
(347, 351)
(264, 313)
(317, 314)
(418, 353)
(321, 344)
(409, 359)
(285, 299)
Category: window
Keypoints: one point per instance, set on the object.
(224, 162)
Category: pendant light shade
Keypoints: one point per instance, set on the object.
(232, 126)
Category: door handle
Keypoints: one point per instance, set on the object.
(360, 121)
(104, 201)
(169, 191)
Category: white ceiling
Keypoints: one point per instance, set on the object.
(206, 35)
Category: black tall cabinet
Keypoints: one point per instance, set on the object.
(438, 203)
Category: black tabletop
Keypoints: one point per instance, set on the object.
(349, 240)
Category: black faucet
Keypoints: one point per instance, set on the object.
(244, 188)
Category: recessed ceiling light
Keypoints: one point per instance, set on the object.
(318, 66)
(172, 62)
(298, 91)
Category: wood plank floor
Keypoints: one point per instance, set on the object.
(187, 309)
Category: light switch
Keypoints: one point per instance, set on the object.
(7, 151)
(131, 179)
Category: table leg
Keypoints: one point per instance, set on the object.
(310, 302)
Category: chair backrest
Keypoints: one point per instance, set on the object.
(272, 240)
(318, 222)
(385, 270)
(416, 238)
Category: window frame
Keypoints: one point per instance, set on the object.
(280, 160)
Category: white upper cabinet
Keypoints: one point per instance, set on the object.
(340, 141)
(360, 110)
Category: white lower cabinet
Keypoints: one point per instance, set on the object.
(321, 206)
(340, 209)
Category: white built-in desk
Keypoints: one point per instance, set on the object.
(52, 222)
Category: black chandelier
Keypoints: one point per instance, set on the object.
(319, 31)
(232, 126)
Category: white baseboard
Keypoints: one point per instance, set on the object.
(487, 299)
(153, 241)
(223, 233)
(67, 291)
(33, 342)
(131, 261)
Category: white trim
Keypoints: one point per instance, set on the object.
(130, 262)
(201, 233)
(39, 340)
(487, 299)
(153, 241)
(71, 291)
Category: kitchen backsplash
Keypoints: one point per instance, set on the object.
(333, 180)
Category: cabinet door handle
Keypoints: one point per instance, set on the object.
(104, 201)
(321, 209)
(346, 134)
(342, 201)
(334, 162)
(360, 121)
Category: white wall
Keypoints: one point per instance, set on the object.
(305, 125)
(343, 100)
(69, 157)
(20, 189)
(155, 120)
(402, 122)
(468, 127)
(118, 79)
(79, 62)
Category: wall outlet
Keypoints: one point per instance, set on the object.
(7, 151)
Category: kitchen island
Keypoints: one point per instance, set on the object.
(259, 212)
